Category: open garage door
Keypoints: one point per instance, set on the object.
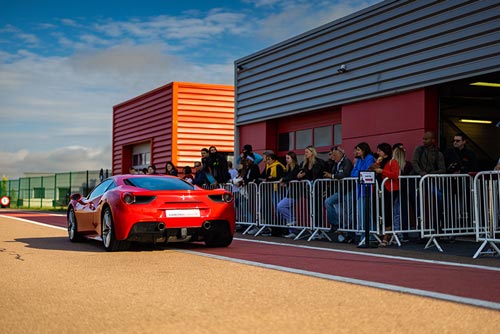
(475, 111)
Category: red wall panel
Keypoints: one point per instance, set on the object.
(142, 119)
(398, 118)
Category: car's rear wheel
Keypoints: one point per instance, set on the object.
(73, 234)
(219, 235)
(108, 233)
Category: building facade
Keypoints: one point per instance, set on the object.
(384, 74)
(172, 123)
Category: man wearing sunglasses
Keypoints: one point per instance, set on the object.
(460, 159)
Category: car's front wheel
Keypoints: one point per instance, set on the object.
(73, 234)
(108, 233)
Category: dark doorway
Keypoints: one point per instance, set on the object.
(459, 101)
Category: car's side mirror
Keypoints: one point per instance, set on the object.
(76, 197)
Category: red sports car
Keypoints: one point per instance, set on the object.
(151, 208)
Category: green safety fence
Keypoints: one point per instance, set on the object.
(52, 191)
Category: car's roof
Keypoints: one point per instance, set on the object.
(130, 176)
(152, 182)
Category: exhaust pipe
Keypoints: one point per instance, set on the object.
(161, 226)
(207, 225)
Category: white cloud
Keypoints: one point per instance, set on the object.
(296, 17)
(49, 102)
(63, 159)
(70, 22)
(30, 40)
(56, 111)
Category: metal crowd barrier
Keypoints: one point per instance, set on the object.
(487, 211)
(446, 207)
(284, 207)
(348, 199)
(431, 207)
(403, 209)
(246, 202)
(299, 207)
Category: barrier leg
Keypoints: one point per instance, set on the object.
(434, 241)
(491, 251)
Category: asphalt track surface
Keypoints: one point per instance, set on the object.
(257, 285)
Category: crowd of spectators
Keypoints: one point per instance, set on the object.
(389, 161)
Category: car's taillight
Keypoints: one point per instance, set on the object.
(128, 198)
(144, 199)
(227, 197)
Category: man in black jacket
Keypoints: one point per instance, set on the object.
(459, 159)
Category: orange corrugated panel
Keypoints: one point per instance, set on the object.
(205, 116)
(205, 143)
(178, 119)
(194, 136)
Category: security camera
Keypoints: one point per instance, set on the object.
(342, 68)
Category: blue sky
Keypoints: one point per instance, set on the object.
(65, 64)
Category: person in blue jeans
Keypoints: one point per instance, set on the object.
(364, 160)
(286, 205)
(341, 168)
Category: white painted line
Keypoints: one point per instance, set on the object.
(377, 255)
(390, 287)
(34, 222)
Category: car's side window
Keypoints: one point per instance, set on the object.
(101, 188)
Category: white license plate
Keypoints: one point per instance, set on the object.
(183, 213)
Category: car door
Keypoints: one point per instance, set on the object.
(87, 212)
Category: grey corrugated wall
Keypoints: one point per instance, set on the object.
(390, 47)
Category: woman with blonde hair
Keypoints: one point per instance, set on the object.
(405, 203)
(312, 167)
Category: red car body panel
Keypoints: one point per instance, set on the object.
(89, 211)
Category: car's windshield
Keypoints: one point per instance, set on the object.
(158, 183)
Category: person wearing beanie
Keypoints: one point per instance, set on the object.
(248, 151)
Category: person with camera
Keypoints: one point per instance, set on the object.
(460, 159)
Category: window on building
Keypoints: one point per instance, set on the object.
(337, 134)
(323, 136)
(141, 159)
(141, 155)
(286, 141)
(303, 138)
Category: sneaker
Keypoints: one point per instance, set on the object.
(267, 232)
(318, 236)
(253, 230)
(401, 238)
(291, 223)
(290, 235)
